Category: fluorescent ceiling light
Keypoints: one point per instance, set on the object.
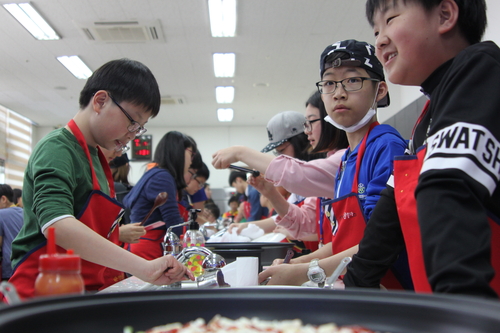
(222, 17)
(225, 114)
(32, 21)
(76, 66)
(224, 94)
(224, 64)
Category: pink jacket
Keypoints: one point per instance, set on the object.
(300, 221)
(309, 179)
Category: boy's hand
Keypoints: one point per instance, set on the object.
(166, 270)
(130, 233)
(292, 275)
(237, 226)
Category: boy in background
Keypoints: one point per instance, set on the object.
(442, 203)
(68, 184)
(233, 204)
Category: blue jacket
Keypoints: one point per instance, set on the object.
(383, 143)
(142, 197)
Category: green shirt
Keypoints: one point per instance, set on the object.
(57, 183)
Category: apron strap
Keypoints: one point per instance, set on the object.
(107, 170)
(361, 152)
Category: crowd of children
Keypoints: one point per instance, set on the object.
(421, 215)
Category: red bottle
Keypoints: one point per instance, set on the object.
(59, 273)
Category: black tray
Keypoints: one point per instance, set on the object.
(396, 312)
(266, 252)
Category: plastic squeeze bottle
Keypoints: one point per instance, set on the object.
(194, 237)
(59, 273)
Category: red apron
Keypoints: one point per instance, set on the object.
(101, 213)
(324, 229)
(348, 220)
(406, 172)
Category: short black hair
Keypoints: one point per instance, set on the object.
(203, 171)
(472, 19)
(18, 193)
(233, 198)
(170, 155)
(331, 137)
(126, 80)
(236, 174)
(7, 191)
(214, 209)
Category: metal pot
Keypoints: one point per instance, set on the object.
(382, 311)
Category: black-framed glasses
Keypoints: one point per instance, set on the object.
(193, 177)
(308, 124)
(349, 84)
(134, 127)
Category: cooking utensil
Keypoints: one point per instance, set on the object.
(396, 312)
(254, 173)
(154, 225)
(288, 257)
(160, 199)
(336, 273)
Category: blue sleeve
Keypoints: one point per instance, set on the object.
(378, 166)
(199, 196)
(140, 203)
(257, 211)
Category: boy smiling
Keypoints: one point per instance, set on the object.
(443, 201)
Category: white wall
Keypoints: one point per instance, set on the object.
(211, 139)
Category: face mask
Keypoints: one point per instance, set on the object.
(366, 119)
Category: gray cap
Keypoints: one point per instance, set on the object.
(282, 127)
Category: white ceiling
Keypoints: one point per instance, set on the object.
(277, 46)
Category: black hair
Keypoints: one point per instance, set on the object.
(7, 191)
(237, 174)
(197, 162)
(233, 198)
(301, 146)
(472, 19)
(18, 193)
(170, 155)
(126, 80)
(214, 209)
(331, 137)
(203, 171)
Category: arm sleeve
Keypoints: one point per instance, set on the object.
(459, 174)
(380, 246)
(164, 182)
(309, 179)
(380, 163)
(300, 221)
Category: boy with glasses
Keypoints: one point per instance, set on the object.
(352, 86)
(68, 184)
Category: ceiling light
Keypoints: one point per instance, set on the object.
(225, 114)
(76, 66)
(224, 94)
(222, 17)
(32, 21)
(224, 64)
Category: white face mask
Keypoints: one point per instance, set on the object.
(365, 120)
